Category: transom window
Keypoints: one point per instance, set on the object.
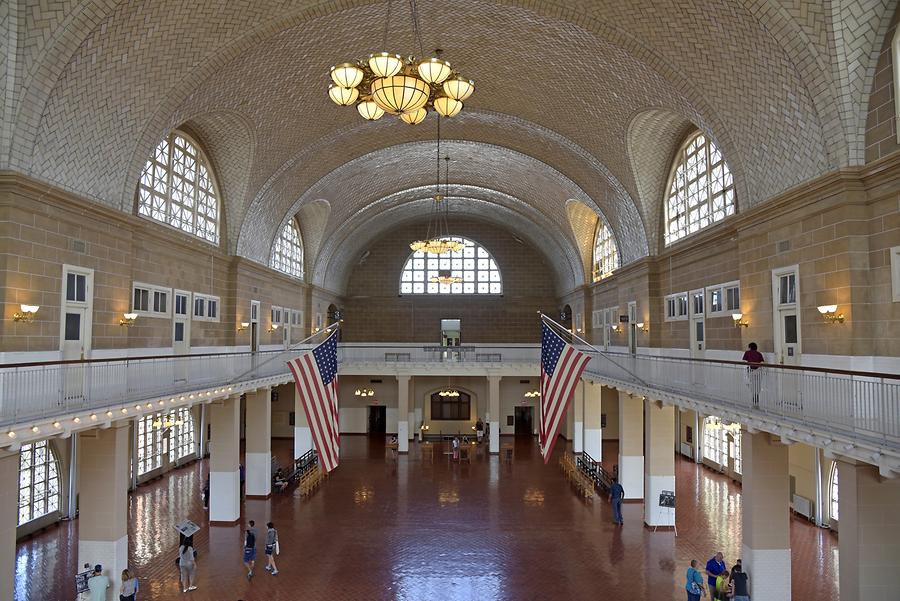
(473, 264)
(701, 190)
(606, 253)
(287, 252)
(176, 188)
(38, 481)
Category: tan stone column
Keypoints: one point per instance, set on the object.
(258, 441)
(403, 413)
(224, 461)
(303, 442)
(103, 464)
(593, 435)
(631, 445)
(869, 540)
(494, 406)
(659, 462)
(766, 549)
(577, 412)
(9, 517)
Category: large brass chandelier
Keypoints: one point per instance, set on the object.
(407, 87)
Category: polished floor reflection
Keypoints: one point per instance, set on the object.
(414, 529)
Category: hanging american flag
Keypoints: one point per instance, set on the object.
(561, 367)
(315, 374)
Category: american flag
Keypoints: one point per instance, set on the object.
(561, 367)
(315, 374)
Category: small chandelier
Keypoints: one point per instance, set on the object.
(532, 394)
(449, 392)
(364, 392)
(444, 277)
(407, 87)
(437, 239)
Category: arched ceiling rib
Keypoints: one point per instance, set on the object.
(583, 223)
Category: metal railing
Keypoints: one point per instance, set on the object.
(864, 406)
(593, 470)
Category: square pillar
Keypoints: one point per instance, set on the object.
(494, 407)
(578, 401)
(403, 383)
(224, 461)
(593, 435)
(9, 517)
(303, 442)
(103, 464)
(631, 445)
(869, 540)
(258, 441)
(659, 462)
(766, 549)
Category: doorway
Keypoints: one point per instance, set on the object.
(377, 419)
(523, 421)
(785, 292)
(75, 333)
(254, 326)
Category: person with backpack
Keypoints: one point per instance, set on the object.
(694, 583)
(187, 564)
(250, 549)
(271, 548)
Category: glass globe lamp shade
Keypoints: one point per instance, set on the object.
(368, 110)
(346, 75)
(447, 107)
(385, 64)
(434, 70)
(414, 117)
(418, 245)
(343, 96)
(400, 93)
(459, 88)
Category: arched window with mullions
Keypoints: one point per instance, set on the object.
(606, 252)
(473, 267)
(287, 252)
(701, 189)
(38, 481)
(177, 188)
(833, 493)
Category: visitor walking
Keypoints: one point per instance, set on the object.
(739, 589)
(97, 584)
(271, 548)
(128, 590)
(455, 448)
(715, 568)
(250, 549)
(616, 494)
(694, 583)
(187, 564)
(206, 494)
(753, 358)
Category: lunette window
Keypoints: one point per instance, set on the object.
(38, 481)
(287, 252)
(606, 253)
(701, 191)
(473, 264)
(176, 188)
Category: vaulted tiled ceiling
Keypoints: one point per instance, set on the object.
(582, 100)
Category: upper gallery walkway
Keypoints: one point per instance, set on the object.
(852, 413)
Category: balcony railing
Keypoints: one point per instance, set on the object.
(862, 406)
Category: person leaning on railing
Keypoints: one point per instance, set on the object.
(754, 358)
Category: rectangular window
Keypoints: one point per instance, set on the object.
(181, 302)
(276, 315)
(206, 307)
(787, 289)
(895, 274)
(733, 298)
(150, 300)
(716, 300)
(76, 287)
(596, 320)
(73, 326)
(697, 297)
(677, 306)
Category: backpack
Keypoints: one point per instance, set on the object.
(251, 541)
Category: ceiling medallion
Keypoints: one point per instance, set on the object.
(406, 87)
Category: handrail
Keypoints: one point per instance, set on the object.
(138, 358)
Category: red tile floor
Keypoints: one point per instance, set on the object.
(411, 529)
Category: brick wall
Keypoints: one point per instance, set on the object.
(374, 311)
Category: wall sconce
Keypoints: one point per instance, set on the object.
(273, 327)
(615, 328)
(642, 327)
(829, 312)
(244, 325)
(26, 314)
(739, 320)
(128, 319)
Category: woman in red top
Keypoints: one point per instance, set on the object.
(753, 358)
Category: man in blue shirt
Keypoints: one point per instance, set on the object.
(715, 567)
(616, 493)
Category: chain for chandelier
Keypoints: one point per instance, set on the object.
(406, 87)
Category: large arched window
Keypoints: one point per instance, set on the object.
(177, 189)
(606, 253)
(287, 252)
(473, 265)
(701, 189)
(833, 493)
(715, 441)
(164, 434)
(38, 481)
